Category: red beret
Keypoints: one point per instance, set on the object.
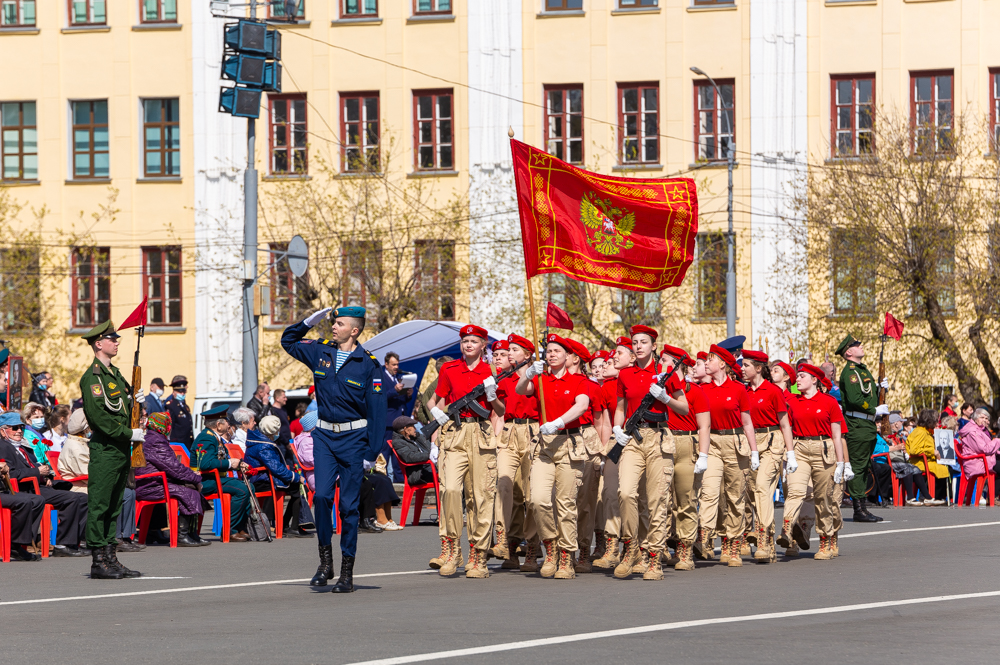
(812, 369)
(580, 350)
(788, 369)
(500, 345)
(624, 341)
(473, 330)
(521, 342)
(757, 356)
(727, 358)
(702, 355)
(678, 353)
(556, 339)
(602, 354)
(311, 390)
(637, 329)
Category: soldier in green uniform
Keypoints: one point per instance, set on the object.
(107, 403)
(211, 456)
(859, 400)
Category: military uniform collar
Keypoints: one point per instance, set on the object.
(100, 368)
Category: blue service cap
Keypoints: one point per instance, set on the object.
(733, 344)
(353, 312)
(216, 411)
(10, 418)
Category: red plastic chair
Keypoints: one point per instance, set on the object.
(224, 500)
(988, 478)
(54, 463)
(144, 510)
(931, 478)
(417, 492)
(5, 518)
(234, 451)
(46, 526)
(277, 497)
(181, 455)
(897, 496)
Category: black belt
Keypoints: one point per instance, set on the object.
(473, 419)
(765, 430)
(681, 432)
(523, 421)
(645, 424)
(727, 432)
(813, 438)
(572, 430)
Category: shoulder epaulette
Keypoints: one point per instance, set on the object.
(374, 359)
(96, 369)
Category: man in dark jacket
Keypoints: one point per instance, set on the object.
(396, 396)
(260, 403)
(412, 448)
(181, 423)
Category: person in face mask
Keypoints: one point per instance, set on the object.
(154, 400)
(182, 426)
(33, 414)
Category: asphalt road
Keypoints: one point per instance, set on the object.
(251, 603)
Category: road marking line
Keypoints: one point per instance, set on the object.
(922, 528)
(659, 627)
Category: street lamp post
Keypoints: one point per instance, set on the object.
(730, 238)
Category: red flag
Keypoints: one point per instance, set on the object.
(630, 233)
(136, 318)
(557, 318)
(893, 327)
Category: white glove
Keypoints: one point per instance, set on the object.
(316, 317)
(140, 397)
(439, 415)
(138, 436)
(434, 453)
(701, 465)
(535, 369)
(620, 435)
(754, 460)
(848, 471)
(884, 384)
(234, 463)
(792, 464)
(552, 426)
(659, 392)
(882, 410)
(838, 475)
(491, 388)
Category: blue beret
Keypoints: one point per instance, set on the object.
(219, 410)
(10, 418)
(353, 312)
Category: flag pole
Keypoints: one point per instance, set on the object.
(534, 332)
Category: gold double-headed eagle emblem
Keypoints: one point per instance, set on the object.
(610, 226)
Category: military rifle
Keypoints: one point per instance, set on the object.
(632, 424)
(470, 401)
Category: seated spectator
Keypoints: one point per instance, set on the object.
(245, 421)
(921, 443)
(33, 415)
(976, 440)
(23, 465)
(910, 476)
(948, 409)
(882, 489)
(210, 457)
(56, 422)
(965, 415)
(304, 447)
(412, 448)
(25, 519)
(262, 451)
(383, 494)
(183, 484)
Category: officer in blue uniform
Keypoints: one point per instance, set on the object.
(352, 406)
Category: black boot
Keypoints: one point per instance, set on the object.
(111, 558)
(325, 570)
(346, 582)
(864, 508)
(99, 569)
(193, 529)
(183, 532)
(860, 514)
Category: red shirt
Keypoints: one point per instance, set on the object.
(456, 380)
(610, 390)
(517, 406)
(598, 403)
(813, 416)
(726, 403)
(766, 402)
(634, 383)
(559, 394)
(697, 403)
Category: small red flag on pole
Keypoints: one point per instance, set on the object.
(136, 318)
(557, 318)
(893, 327)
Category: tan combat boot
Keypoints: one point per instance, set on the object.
(643, 564)
(735, 549)
(802, 533)
(512, 562)
(654, 567)
(630, 557)
(530, 564)
(785, 539)
(551, 562)
(745, 546)
(726, 555)
(765, 547)
(477, 569)
(599, 545)
(500, 550)
(685, 557)
(704, 549)
(565, 570)
(583, 563)
(834, 545)
(825, 551)
(609, 557)
(454, 560)
(439, 560)
(792, 551)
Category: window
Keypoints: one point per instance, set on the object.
(562, 5)
(633, 307)
(713, 2)
(931, 111)
(91, 286)
(357, 8)
(432, 113)
(87, 12)
(288, 134)
(17, 13)
(638, 123)
(713, 122)
(557, 290)
(162, 137)
(20, 289)
(713, 264)
(359, 127)
(90, 140)
(20, 141)
(930, 397)
(362, 265)
(161, 267)
(286, 9)
(290, 295)
(995, 110)
(853, 276)
(852, 114)
(435, 279)
(431, 7)
(632, 4)
(159, 11)
(564, 122)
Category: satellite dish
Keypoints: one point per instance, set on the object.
(298, 256)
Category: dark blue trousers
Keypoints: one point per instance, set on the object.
(340, 455)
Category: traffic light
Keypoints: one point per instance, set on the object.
(250, 57)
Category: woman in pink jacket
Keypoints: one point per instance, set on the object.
(976, 440)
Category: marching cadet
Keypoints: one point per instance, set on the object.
(819, 456)
(469, 452)
(687, 430)
(783, 376)
(599, 361)
(769, 414)
(651, 460)
(826, 385)
(859, 395)
(210, 455)
(557, 469)
(724, 461)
